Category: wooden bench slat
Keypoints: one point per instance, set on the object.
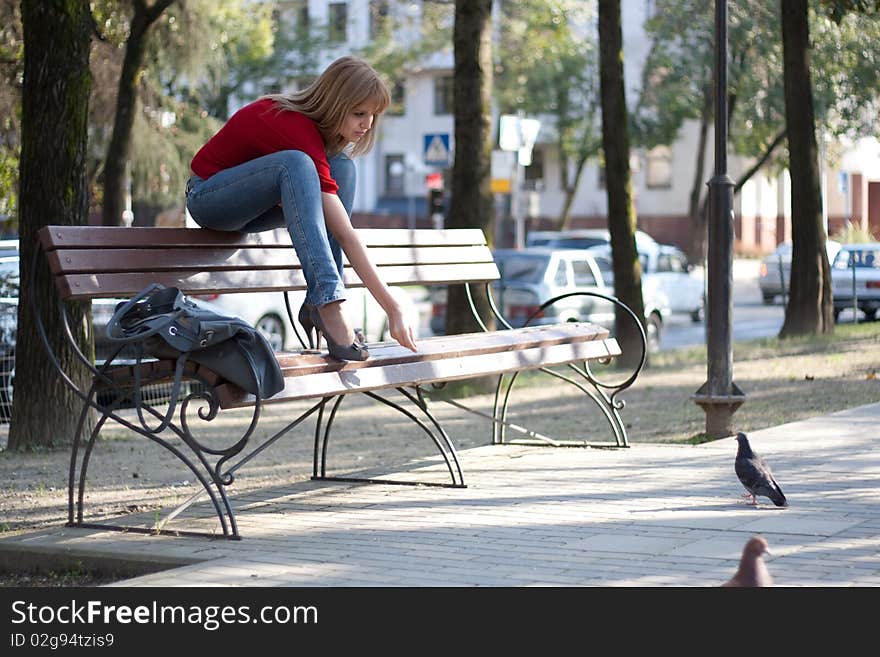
(101, 237)
(96, 286)
(420, 372)
(439, 347)
(145, 259)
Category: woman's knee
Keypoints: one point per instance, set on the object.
(297, 163)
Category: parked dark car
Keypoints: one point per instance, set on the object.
(102, 311)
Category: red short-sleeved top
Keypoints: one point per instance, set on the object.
(260, 129)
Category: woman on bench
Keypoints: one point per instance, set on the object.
(283, 161)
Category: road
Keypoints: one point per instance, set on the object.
(751, 318)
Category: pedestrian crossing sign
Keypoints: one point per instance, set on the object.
(437, 149)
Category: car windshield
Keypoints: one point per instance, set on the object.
(574, 242)
(522, 268)
(858, 258)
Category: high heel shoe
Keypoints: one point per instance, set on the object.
(305, 319)
(357, 350)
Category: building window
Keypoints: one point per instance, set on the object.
(398, 99)
(443, 95)
(378, 19)
(337, 21)
(395, 176)
(658, 169)
(302, 16)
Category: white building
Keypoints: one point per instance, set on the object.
(420, 141)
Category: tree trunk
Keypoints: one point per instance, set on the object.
(570, 192)
(810, 307)
(471, 204)
(126, 104)
(55, 108)
(621, 210)
(695, 207)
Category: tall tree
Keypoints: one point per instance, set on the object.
(471, 204)
(10, 102)
(677, 81)
(810, 306)
(618, 181)
(547, 66)
(55, 102)
(142, 21)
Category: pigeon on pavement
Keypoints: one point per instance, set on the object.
(752, 570)
(755, 474)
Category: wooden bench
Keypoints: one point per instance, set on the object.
(103, 262)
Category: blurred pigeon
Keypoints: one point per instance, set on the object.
(752, 570)
(755, 474)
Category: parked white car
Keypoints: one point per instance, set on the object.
(775, 271)
(855, 279)
(581, 238)
(532, 276)
(267, 312)
(667, 273)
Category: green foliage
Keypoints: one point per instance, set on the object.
(11, 71)
(393, 51)
(845, 61)
(547, 65)
(8, 181)
(164, 150)
(676, 72)
(194, 51)
(836, 10)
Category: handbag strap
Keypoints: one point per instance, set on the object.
(146, 327)
(173, 397)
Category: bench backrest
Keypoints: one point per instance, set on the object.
(105, 262)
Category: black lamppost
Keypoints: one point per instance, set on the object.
(719, 397)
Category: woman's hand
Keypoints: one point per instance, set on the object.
(400, 329)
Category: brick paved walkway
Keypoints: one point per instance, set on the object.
(650, 515)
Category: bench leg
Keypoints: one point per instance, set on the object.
(437, 434)
(213, 484)
(589, 385)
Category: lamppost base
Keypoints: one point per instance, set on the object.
(719, 409)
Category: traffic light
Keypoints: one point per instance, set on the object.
(435, 201)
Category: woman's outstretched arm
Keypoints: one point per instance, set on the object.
(339, 224)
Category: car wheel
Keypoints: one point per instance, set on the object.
(836, 315)
(870, 314)
(272, 328)
(698, 314)
(653, 329)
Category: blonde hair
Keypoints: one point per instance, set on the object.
(345, 84)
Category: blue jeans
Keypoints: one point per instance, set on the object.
(246, 198)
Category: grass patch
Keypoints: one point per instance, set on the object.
(783, 380)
